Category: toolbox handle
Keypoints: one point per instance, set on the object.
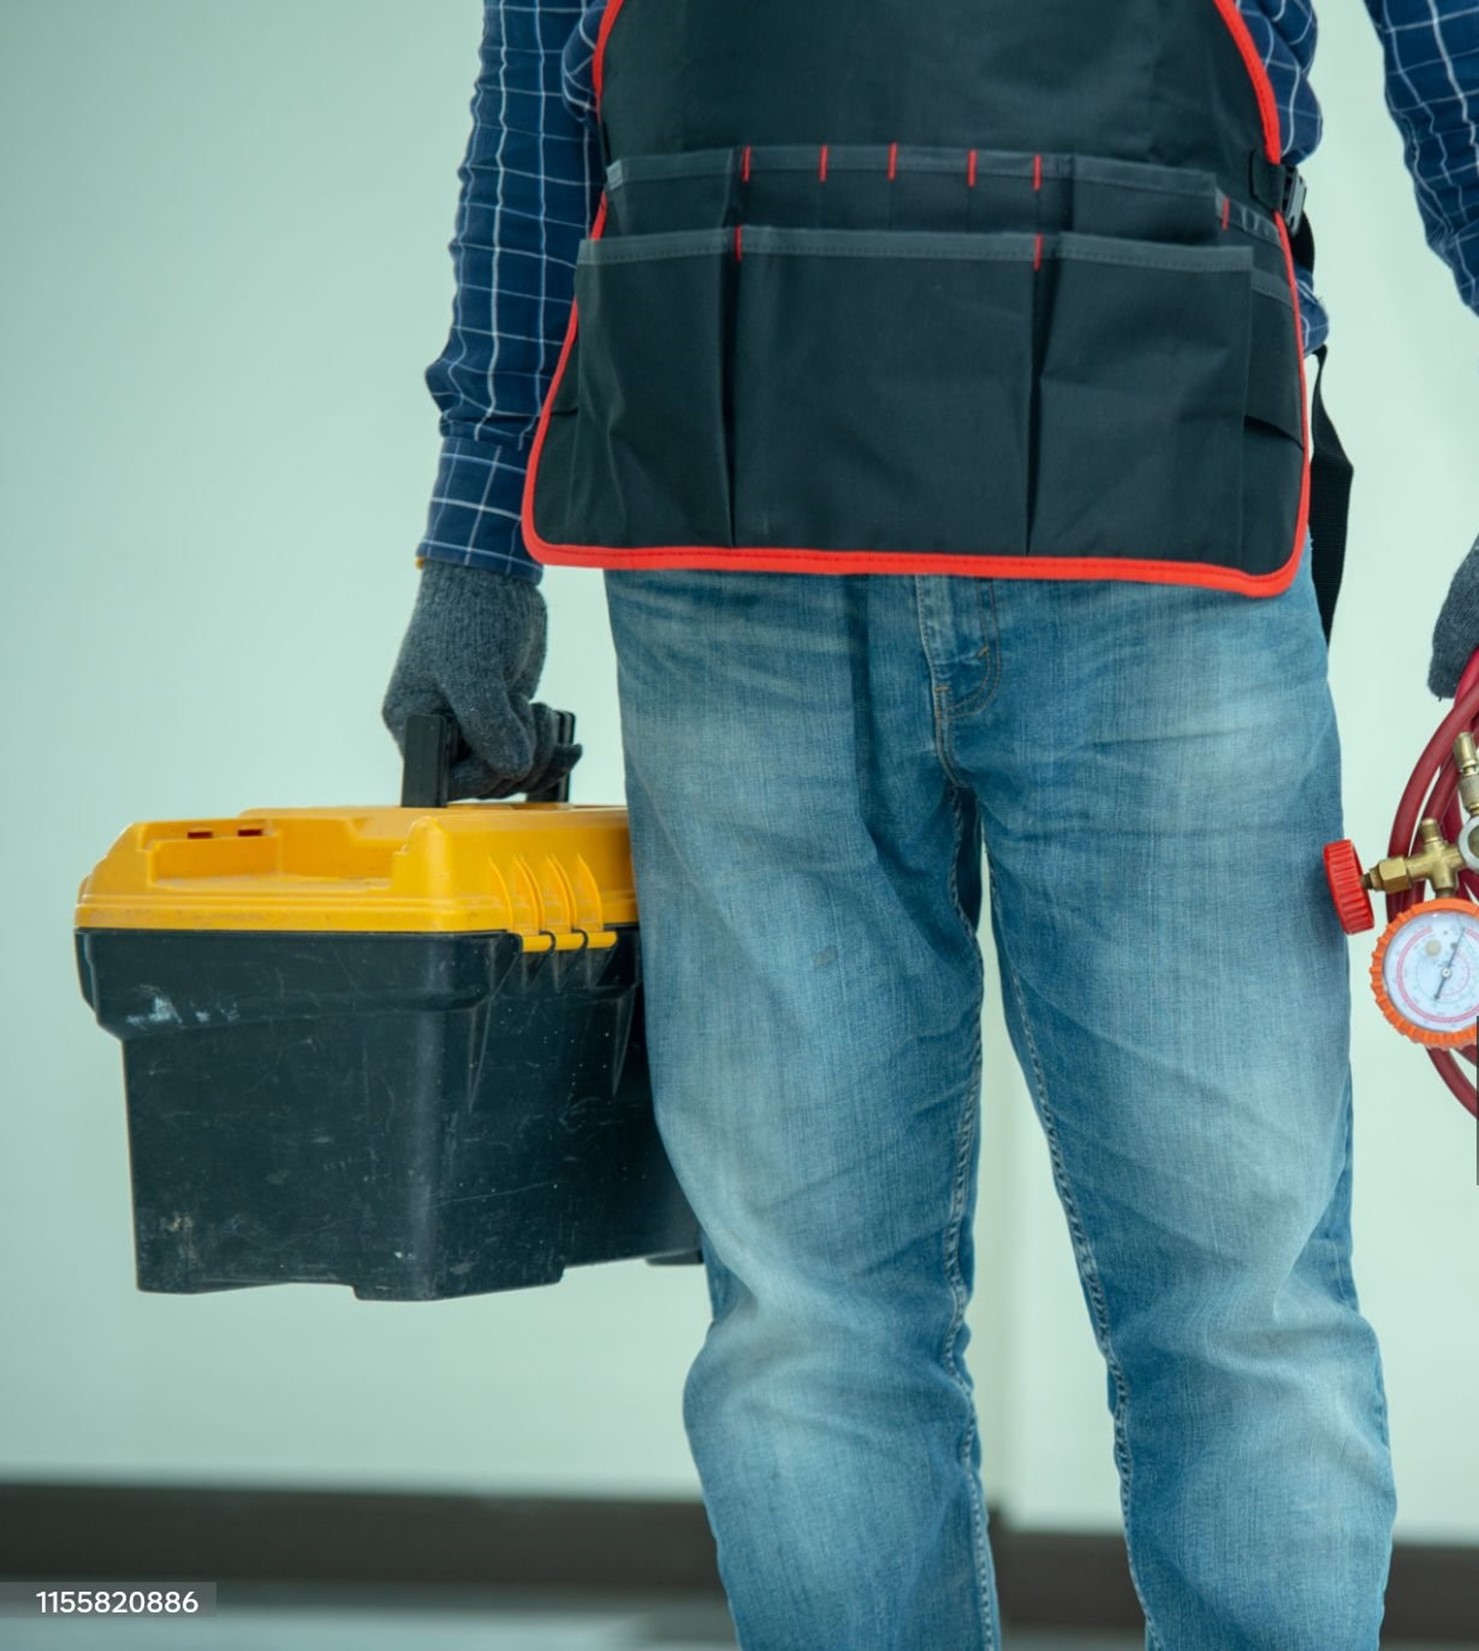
(430, 741)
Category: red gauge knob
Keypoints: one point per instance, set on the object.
(1352, 900)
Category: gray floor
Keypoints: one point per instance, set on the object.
(257, 1619)
(257, 1629)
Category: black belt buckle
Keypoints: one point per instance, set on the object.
(1279, 188)
(1291, 204)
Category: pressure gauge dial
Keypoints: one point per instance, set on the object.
(1426, 972)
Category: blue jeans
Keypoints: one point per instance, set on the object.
(813, 763)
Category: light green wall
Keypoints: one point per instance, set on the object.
(224, 274)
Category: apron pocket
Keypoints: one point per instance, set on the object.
(1141, 402)
(1273, 442)
(649, 461)
(656, 194)
(882, 386)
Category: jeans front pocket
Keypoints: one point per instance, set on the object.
(1141, 402)
(882, 386)
(646, 458)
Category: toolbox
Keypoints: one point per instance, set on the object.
(398, 1049)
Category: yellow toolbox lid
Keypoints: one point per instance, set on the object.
(560, 874)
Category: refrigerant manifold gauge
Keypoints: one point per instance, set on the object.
(1425, 973)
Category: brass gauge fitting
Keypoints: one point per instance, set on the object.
(1438, 861)
(1467, 761)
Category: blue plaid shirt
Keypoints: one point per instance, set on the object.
(532, 178)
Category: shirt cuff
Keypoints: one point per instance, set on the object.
(476, 507)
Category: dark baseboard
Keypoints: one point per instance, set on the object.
(563, 1546)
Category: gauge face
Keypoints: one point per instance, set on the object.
(1426, 972)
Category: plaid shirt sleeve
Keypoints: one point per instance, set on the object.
(531, 180)
(1432, 59)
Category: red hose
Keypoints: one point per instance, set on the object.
(1432, 793)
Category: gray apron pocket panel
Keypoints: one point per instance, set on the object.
(1273, 435)
(646, 458)
(936, 392)
(1141, 402)
(1274, 396)
(882, 386)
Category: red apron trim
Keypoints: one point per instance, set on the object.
(1203, 574)
(598, 65)
(1301, 523)
(1273, 145)
(531, 475)
(1268, 104)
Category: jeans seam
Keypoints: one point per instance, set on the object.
(939, 693)
(1345, 1284)
(941, 707)
(1088, 1270)
(985, 691)
(965, 1139)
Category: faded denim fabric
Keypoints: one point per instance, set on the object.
(813, 765)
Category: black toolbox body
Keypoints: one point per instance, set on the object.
(414, 1116)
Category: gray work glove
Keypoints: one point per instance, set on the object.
(1456, 635)
(473, 651)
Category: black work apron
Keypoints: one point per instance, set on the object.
(994, 287)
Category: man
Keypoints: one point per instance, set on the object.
(934, 406)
